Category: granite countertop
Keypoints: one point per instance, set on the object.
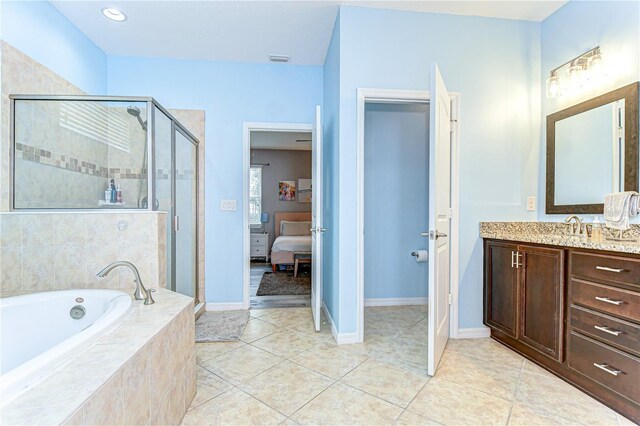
(558, 234)
(59, 394)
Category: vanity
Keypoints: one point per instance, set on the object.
(566, 300)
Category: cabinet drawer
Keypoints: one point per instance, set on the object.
(622, 334)
(258, 251)
(258, 241)
(616, 301)
(614, 369)
(614, 269)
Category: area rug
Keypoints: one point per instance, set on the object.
(284, 284)
(225, 326)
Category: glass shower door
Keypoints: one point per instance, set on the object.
(163, 180)
(186, 192)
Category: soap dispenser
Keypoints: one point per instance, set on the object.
(597, 229)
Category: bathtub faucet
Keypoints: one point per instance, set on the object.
(141, 292)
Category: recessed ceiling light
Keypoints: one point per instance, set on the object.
(114, 14)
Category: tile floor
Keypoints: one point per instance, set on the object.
(283, 372)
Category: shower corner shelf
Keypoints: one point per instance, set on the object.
(103, 203)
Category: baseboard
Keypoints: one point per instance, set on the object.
(340, 338)
(334, 331)
(224, 306)
(398, 301)
(473, 333)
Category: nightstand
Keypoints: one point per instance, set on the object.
(260, 246)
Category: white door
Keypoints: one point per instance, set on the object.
(439, 217)
(316, 219)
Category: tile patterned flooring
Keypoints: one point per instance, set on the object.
(283, 372)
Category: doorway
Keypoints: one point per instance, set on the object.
(287, 227)
(440, 237)
(396, 190)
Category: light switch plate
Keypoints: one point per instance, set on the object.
(531, 204)
(228, 205)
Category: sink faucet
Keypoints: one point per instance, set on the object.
(141, 292)
(577, 228)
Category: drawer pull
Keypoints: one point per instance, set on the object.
(607, 330)
(606, 268)
(607, 300)
(607, 368)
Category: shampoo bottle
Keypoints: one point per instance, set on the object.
(118, 195)
(113, 192)
(107, 194)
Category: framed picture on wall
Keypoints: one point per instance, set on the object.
(304, 190)
(287, 190)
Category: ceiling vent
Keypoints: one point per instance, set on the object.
(279, 58)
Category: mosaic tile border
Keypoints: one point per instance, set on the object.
(65, 162)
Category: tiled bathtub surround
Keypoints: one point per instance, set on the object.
(43, 251)
(141, 373)
(557, 233)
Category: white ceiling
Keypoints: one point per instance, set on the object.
(248, 31)
(280, 140)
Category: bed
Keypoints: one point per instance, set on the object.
(285, 246)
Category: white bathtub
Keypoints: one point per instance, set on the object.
(38, 333)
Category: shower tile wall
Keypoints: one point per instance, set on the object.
(41, 251)
(21, 74)
(57, 167)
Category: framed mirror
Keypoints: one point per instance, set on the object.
(592, 150)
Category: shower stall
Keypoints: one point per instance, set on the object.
(112, 153)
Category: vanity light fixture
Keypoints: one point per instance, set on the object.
(114, 14)
(583, 70)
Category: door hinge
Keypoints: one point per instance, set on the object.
(450, 299)
(452, 125)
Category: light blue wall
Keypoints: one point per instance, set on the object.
(230, 94)
(331, 164)
(494, 64)
(396, 183)
(39, 30)
(575, 28)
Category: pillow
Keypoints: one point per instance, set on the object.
(289, 228)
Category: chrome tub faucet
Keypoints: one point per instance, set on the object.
(141, 293)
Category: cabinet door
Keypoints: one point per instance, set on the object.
(542, 299)
(500, 289)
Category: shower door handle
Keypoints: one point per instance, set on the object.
(176, 223)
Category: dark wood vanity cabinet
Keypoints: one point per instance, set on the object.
(575, 312)
(541, 302)
(501, 295)
(524, 294)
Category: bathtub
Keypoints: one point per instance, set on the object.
(38, 333)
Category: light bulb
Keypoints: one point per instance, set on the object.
(553, 85)
(596, 68)
(576, 76)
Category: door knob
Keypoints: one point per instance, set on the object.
(434, 235)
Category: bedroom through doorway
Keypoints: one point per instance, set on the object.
(279, 205)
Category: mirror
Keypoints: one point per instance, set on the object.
(592, 150)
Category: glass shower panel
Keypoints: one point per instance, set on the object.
(67, 153)
(186, 210)
(163, 166)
